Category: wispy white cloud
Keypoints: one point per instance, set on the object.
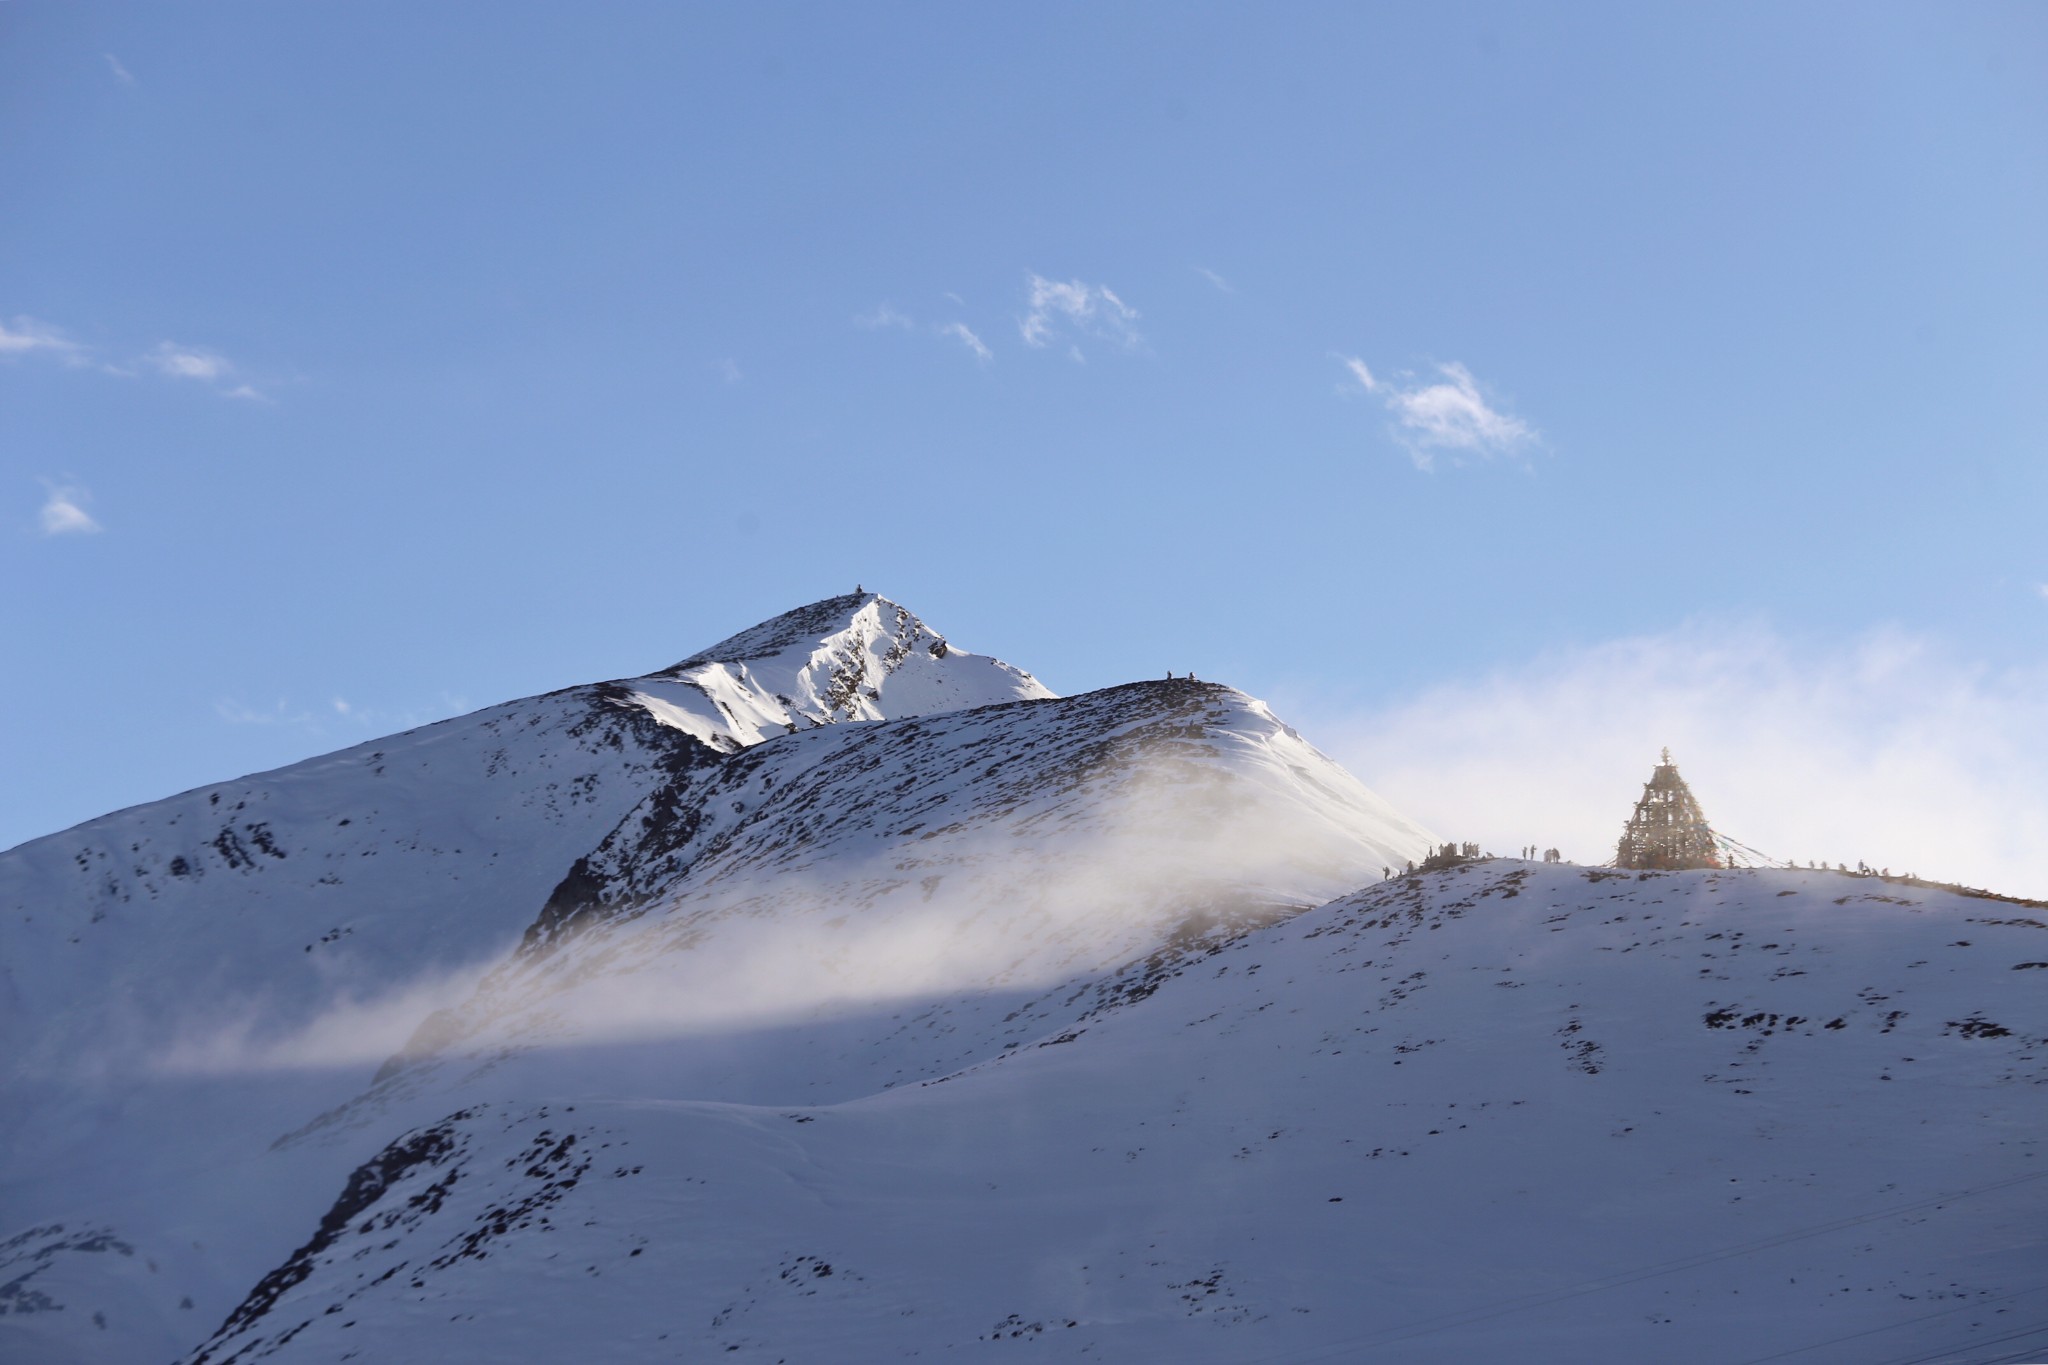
(887, 317)
(884, 316)
(1060, 308)
(1452, 415)
(1212, 277)
(26, 336)
(1449, 415)
(121, 72)
(1888, 749)
(204, 366)
(727, 370)
(237, 712)
(64, 511)
(189, 362)
(964, 334)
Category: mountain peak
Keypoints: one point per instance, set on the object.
(857, 656)
(814, 621)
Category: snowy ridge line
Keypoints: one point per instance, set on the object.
(255, 904)
(676, 828)
(857, 657)
(764, 808)
(923, 822)
(1767, 863)
(803, 624)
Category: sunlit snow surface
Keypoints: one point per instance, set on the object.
(182, 981)
(860, 657)
(211, 924)
(1508, 1111)
(998, 1022)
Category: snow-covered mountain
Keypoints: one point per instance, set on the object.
(228, 961)
(271, 900)
(976, 857)
(858, 657)
(678, 1016)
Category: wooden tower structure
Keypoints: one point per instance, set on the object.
(1668, 830)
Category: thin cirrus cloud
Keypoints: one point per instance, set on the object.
(1064, 310)
(64, 511)
(883, 318)
(187, 362)
(1067, 312)
(121, 73)
(886, 317)
(1223, 285)
(204, 366)
(26, 336)
(1445, 417)
(964, 334)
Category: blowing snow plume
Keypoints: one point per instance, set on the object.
(1003, 848)
(302, 917)
(243, 1035)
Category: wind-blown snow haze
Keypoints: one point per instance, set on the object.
(1887, 749)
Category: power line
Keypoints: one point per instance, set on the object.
(1953, 1352)
(1739, 854)
(1895, 1326)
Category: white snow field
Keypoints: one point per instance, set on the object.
(997, 1024)
(254, 906)
(182, 981)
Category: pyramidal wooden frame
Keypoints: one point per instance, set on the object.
(1668, 831)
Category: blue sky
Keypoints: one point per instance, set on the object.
(411, 358)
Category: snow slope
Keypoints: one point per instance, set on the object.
(985, 857)
(679, 1017)
(182, 981)
(858, 657)
(271, 899)
(1506, 1111)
